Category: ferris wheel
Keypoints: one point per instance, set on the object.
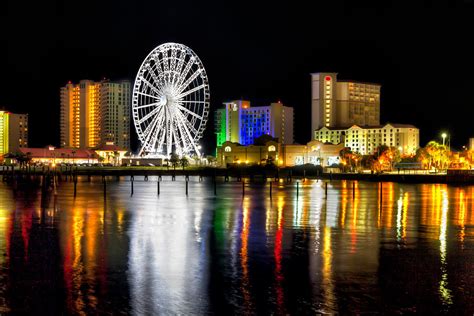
(170, 101)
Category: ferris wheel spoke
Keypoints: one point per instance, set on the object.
(146, 105)
(179, 66)
(188, 92)
(148, 95)
(181, 132)
(192, 102)
(185, 125)
(159, 128)
(157, 60)
(146, 117)
(184, 74)
(151, 125)
(173, 59)
(189, 112)
(153, 75)
(162, 137)
(189, 80)
(175, 136)
(148, 132)
(169, 129)
(152, 87)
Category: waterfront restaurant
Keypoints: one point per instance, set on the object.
(314, 152)
(51, 155)
(111, 153)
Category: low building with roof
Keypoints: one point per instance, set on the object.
(110, 153)
(366, 139)
(266, 148)
(314, 152)
(51, 155)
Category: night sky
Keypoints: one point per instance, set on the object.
(422, 54)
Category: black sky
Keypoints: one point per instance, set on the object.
(420, 51)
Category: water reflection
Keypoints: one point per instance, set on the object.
(444, 291)
(363, 248)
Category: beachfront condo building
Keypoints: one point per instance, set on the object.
(13, 132)
(95, 113)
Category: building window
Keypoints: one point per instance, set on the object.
(227, 149)
(271, 148)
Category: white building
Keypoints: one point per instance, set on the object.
(365, 140)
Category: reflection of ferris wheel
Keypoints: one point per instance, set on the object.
(170, 102)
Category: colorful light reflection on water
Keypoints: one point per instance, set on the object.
(405, 248)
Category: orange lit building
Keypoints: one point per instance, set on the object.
(13, 132)
(93, 113)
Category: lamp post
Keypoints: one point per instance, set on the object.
(444, 135)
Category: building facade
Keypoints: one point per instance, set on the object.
(314, 152)
(471, 143)
(343, 103)
(13, 132)
(115, 106)
(365, 140)
(53, 156)
(238, 122)
(93, 113)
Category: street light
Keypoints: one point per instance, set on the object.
(444, 135)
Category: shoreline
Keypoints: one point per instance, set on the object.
(256, 174)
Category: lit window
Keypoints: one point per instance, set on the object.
(271, 148)
(227, 149)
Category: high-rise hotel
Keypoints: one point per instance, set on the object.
(238, 122)
(348, 112)
(343, 103)
(13, 132)
(95, 113)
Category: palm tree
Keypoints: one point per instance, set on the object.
(116, 157)
(184, 162)
(174, 160)
(211, 160)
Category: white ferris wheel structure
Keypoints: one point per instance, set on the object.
(170, 101)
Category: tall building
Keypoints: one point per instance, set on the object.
(115, 108)
(93, 113)
(366, 139)
(343, 103)
(238, 122)
(13, 132)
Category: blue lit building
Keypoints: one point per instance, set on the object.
(240, 123)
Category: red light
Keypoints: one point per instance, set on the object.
(327, 78)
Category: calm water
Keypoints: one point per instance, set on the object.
(411, 252)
